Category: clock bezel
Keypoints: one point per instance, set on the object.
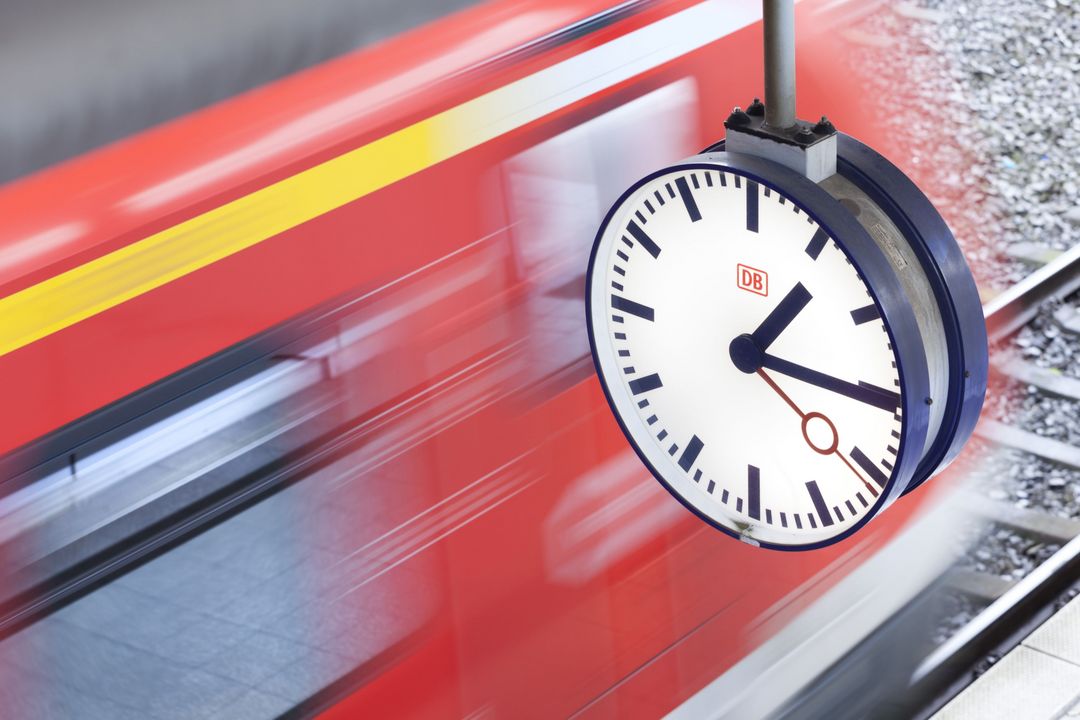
(885, 290)
(954, 289)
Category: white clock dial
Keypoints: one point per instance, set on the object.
(745, 357)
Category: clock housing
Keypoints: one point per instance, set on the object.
(731, 394)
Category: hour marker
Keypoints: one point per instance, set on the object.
(866, 464)
(817, 244)
(753, 492)
(645, 384)
(751, 205)
(645, 241)
(688, 199)
(819, 503)
(629, 306)
(690, 453)
(865, 314)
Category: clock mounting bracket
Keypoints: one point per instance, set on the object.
(771, 129)
(807, 148)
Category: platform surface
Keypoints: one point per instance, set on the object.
(1037, 680)
(245, 621)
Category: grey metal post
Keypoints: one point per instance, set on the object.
(779, 22)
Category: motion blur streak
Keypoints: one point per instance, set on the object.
(325, 120)
(587, 533)
(103, 283)
(100, 284)
(396, 546)
(332, 441)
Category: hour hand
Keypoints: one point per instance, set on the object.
(863, 392)
(781, 317)
(748, 350)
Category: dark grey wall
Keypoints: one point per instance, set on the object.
(77, 74)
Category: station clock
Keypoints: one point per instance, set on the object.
(789, 346)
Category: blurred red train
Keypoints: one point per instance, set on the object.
(378, 263)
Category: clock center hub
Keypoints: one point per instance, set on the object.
(745, 353)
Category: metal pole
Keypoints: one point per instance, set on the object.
(779, 22)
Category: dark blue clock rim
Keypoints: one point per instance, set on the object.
(953, 286)
(885, 290)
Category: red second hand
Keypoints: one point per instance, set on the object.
(832, 450)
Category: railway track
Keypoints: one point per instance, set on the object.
(1008, 608)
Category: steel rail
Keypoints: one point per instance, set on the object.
(1028, 602)
(1015, 307)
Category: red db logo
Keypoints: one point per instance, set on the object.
(754, 280)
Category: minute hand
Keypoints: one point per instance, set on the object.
(863, 392)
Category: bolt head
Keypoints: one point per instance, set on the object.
(824, 126)
(738, 118)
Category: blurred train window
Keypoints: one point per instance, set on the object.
(559, 190)
(77, 74)
(418, 353)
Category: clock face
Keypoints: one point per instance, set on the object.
(745, 357)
